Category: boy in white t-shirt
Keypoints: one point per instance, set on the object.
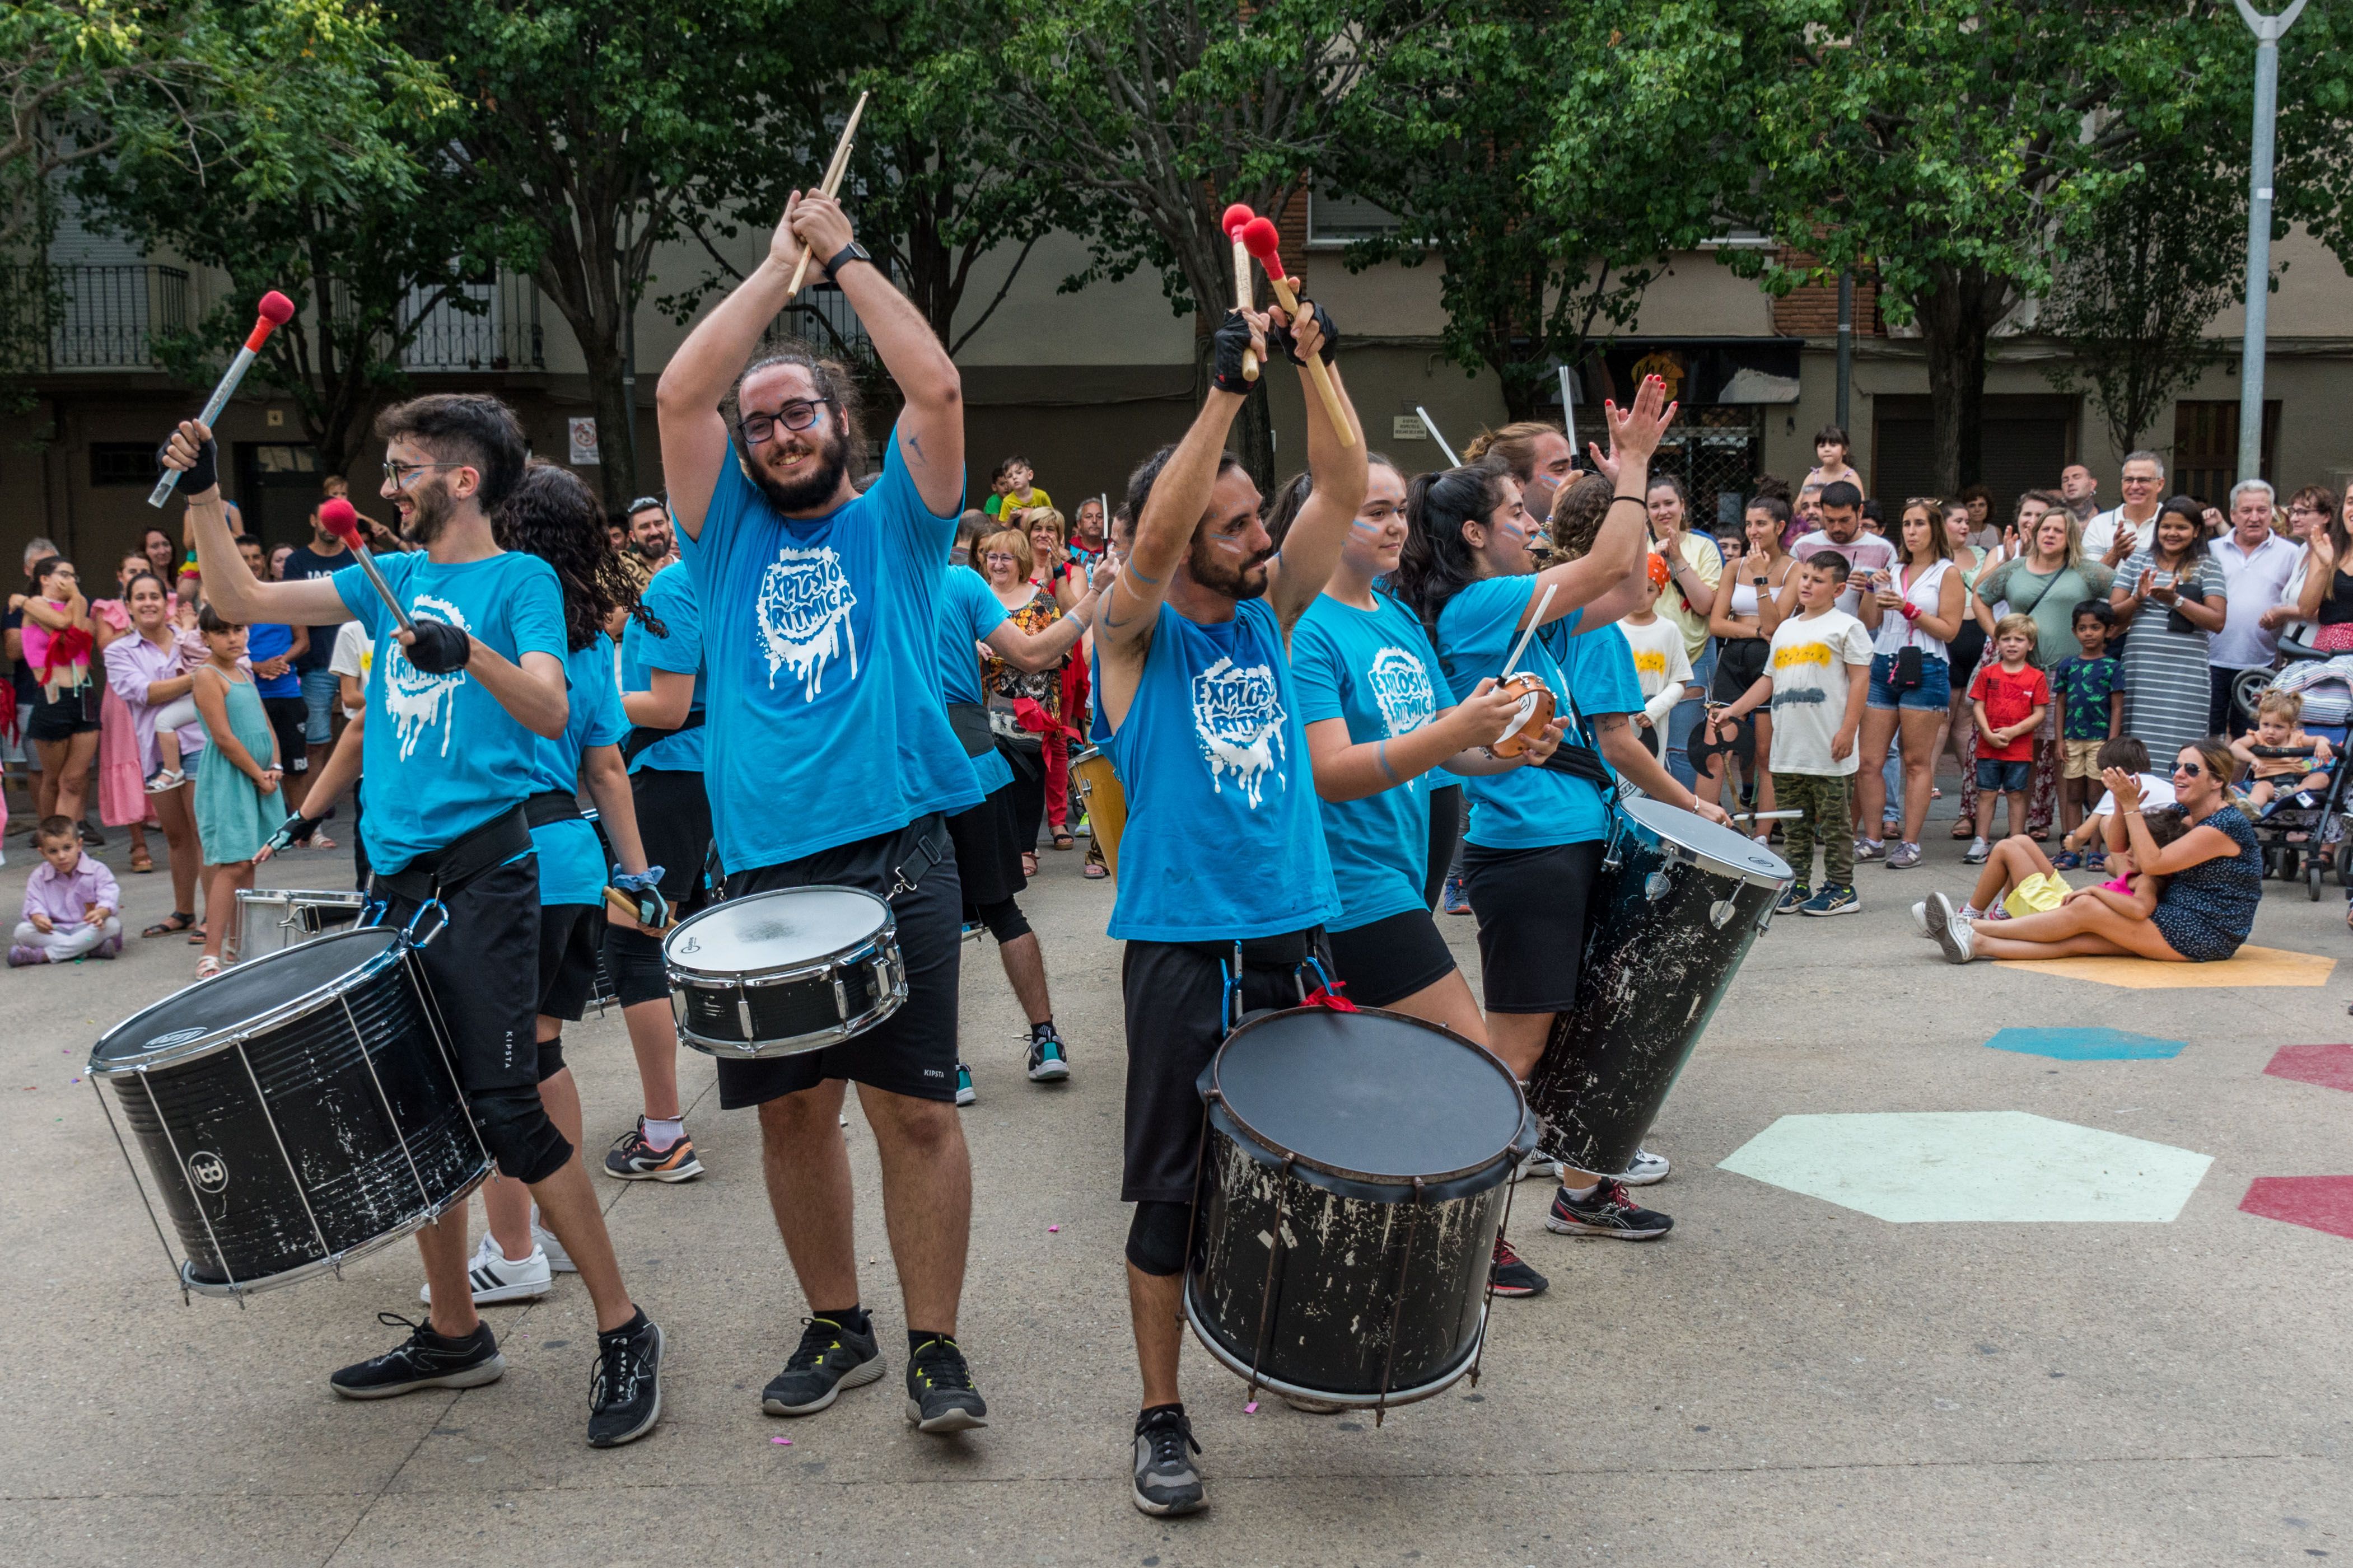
(2127, 752)
(1816, 677)
(354, 653)
(1662, 663)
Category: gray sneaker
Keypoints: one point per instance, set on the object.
(1904, 857)
(1869, 849)
(830, 1358)
(1953, 934)
(1165, 1480)
(1977, 853)
(1646, 1170)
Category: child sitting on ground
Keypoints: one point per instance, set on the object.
(2131, 754)
(2275, 730)
(2019, 880)
(2008, 699)
(72, 904)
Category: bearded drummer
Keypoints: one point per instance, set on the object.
(456, 711)
(828, 760)
(1537, 834)
(1224, 885)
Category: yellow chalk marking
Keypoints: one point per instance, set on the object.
(2251, 965)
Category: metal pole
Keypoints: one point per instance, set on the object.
(2268, 31)
(1845, 346)
(629, 388)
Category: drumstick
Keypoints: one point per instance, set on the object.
(1543, 603)
(274, 311)
(340, 518)
(1259, 236)
(1767, 815)
(1432, 426)
(833, 173)
(1237, 218)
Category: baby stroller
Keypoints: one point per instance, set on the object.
(2301, 835)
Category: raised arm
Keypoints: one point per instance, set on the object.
(229, 583)
(1311, 548)
(1618, 547)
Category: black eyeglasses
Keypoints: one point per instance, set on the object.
(798, 414)
(2192, 769)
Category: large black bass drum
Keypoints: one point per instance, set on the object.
(1677, 903)
(296, 1111)
(1354, 1169)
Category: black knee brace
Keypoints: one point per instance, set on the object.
(551, 1058)
(1004, 920)
(635, 961)
(1156, 1236)
(516, 1129)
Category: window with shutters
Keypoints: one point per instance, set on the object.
(2206, 447)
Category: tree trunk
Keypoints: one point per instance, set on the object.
(616, 470)
(1956, 320)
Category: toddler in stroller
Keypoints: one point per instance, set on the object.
(2297, 793)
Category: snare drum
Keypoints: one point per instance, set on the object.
(787, 970)
(296, 1111)
(1106, 801)
(1352, 1176)
(271, 919)
(1673, 913)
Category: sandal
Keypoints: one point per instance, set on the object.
(181, 919)
(196, 937)
(207, 967)
(319, 840)
(1064, 841)
(1097, 873)
(141, 861)
(1028, 862)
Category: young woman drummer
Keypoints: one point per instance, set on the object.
(1536, 834)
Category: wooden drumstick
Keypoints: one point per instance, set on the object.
(1236, 218)
(1543, 603)
(1259, 236)
(833, 173)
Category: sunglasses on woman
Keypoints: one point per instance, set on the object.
(2192, 769)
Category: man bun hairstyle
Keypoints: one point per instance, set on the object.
(470, 427)
(1514, 446)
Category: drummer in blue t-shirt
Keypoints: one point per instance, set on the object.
(1222, 863)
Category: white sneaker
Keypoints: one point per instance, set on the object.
(1953, 934)
(1644, 1169)
(497, 1277)
(1536, 1165)
(1920, 919)
(557, 1258)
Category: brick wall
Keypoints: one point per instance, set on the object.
(1813, 312)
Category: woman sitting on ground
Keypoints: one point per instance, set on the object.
(2020, 879)
(2213, 881)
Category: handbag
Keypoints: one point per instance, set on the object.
(1905, 675)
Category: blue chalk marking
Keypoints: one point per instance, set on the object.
(2087, 1045)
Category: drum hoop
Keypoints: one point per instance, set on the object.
(1371, 1178)
(237, 1033)
(317, 897)
(1675, 849)
(333, 1263)
(864, 953)
(1240, 1368)
(779, 974)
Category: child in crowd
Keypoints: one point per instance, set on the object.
(2008, 698)
(2128, 752)
(1016, 490)
(2276, 713)
(72, 905)
(239, 805)
(2019, 880)
(2089, 688)
(1831, 449)
(1662, 663)
(1817, 679)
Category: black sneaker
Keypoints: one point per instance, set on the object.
(940, 1395)
(632, 1159)
(830, 1358)
(1608, 1211)
(1050, 1060)
(1511, 1277)
(427, 1359)
(1165, 1480)
(624, 1394)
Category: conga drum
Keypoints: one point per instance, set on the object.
(1354, 1172)
(1678, 902)
(1106, 801)
(297, 1112)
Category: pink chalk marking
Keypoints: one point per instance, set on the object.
(2317, 1203)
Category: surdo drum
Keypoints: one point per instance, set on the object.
(271, 919)
(296, 1111)
(1354, 1167)
(779, 973)
(1668, 919)
(1106, 801)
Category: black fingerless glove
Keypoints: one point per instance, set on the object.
(1228, 344)
(439, 647)
(1279, 335)
(195, 481)
(295, 829)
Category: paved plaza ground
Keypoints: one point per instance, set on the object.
(2006, 1308)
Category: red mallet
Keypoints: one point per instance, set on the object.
(340, 518)
(1259, 238)
(1235, 219)
(274, 311)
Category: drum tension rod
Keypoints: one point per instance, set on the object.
(1397, 1312)
(1487, 1308)
(1273, 1250)
(1193, 1218)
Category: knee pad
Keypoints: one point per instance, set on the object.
(1004, 920)
(1156, 1236)
(635, 961)
(515, 1128)
(551, 1058)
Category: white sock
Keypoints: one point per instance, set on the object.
(661, 1134)
(1971, 913)
(1581, 1195)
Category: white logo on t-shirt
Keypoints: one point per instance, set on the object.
(413, 699)
(803, 613)
(1240, 723)
(1401, 686)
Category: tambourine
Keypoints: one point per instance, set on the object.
(1534, 713)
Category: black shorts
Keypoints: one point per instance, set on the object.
(1531, 906)
(988, 861)
(913, 1051)
(58, 720)
(674, 826)
(1173, 992)
(476, 966)
(1739, 661)
(1389, 959)
(568, 936)
(289, 721)
(1445, 836)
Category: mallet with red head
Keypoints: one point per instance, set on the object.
(1259, 236)
(1236, 218)
(437, 648)
(274, 311)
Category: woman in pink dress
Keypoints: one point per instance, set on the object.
(121, 783)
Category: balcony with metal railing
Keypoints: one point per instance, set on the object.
(823, 319)
(493, 326)
(93, 317)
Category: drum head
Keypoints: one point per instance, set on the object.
(1373, 1096)
(241, 995)
(1719, 848)
(780, 930)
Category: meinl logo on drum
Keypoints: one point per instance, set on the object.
(208, 1171)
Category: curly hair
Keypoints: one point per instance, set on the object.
(551, 514)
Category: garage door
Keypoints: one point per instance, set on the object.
(2028, 439)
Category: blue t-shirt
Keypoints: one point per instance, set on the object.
(821, 646)
(1223, 840)
(671, 599)
(264, 642)
(1376, 670)
(969, 611)
(442, 756)
(1601, 675)
(572, 868)
(1525, 808)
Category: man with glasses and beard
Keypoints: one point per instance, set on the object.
(829, 759)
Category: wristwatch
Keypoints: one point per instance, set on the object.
(848, 253)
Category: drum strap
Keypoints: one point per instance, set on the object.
(551, 806)
(642, 736)
(929, 850)
(445, 870)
